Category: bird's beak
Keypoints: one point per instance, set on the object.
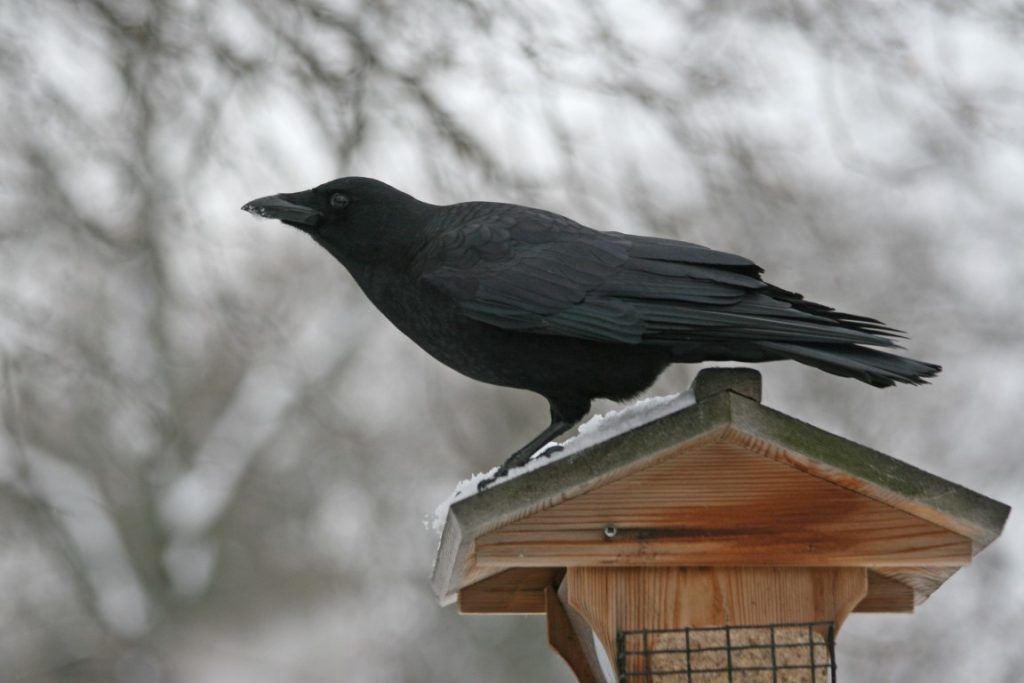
(295, 209)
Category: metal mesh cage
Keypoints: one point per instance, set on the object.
(777, 653)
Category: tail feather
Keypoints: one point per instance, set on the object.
(874, 367)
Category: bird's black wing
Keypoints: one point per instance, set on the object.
(532, 271)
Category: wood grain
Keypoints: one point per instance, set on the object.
(720, 503)
(576, 647)
(514, 591)
(886, 594)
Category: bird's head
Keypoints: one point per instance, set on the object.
(359, 220)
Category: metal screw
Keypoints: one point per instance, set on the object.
(610, 531)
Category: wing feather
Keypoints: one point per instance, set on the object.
(552, 276)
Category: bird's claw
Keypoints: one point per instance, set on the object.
(547, 452)
(484, 484)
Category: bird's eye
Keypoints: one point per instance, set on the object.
(339, 200)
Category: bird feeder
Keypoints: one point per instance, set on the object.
(723, 542)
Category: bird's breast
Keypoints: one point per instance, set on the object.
(432, 320)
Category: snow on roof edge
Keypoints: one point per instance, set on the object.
(595, 430)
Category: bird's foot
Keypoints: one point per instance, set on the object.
(485, 484)
(509, 464)
(548, 451)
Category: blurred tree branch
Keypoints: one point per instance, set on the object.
(157, 351)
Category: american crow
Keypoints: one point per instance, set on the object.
(526, 298)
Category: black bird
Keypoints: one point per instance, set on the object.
(525, 298)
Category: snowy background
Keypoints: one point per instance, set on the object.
(216, 458)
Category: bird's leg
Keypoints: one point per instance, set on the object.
(522, 456)
(562, 420)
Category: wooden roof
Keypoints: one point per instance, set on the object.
(724, 482)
